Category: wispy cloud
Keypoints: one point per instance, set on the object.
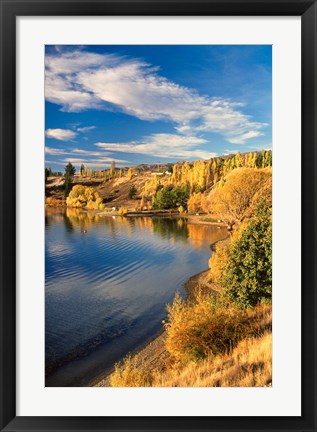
(85, 128)
(54, 151)
(76, 151)
(60, 134)
(241, 139)
(102, 162)
(88, 152)
(162, 145)
(81, 80)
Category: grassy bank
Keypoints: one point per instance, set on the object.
(226, 348)
(248, 365)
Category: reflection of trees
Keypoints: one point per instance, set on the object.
(78, 218)
(53, 215)
(68, 223)
(200, 235)
(167, 228)
(175, 229)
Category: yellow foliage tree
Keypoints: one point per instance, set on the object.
(235, 199)
(142, 202)
(194, 202)
(84, 197)
(130, 173)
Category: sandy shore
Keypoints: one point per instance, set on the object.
(154, 355)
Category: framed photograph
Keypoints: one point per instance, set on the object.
(158, 183)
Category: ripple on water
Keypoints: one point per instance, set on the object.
(106, 290)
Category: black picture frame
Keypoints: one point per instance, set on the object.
(10, 9)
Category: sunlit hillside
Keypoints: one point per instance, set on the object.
(249, 365)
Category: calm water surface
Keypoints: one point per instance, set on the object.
(107, 289)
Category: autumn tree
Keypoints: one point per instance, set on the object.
(142, 202)
(130, 173)
(195, 202)
(112, 168)
(84, 197)
(233, 201)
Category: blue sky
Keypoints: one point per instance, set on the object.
(150, 103)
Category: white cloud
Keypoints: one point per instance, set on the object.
(102, 162)
(164, 146)
(54, 151)
(109, 160)
(241, 139)
(81, 80)
(60, 79)
(88, 152)
(73, 160)
(86, 128)
(60, 134)
(100, 157)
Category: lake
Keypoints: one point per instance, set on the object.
(107, 283)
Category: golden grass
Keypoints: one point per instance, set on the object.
(249, 365)
(130, 373)
(207, 325)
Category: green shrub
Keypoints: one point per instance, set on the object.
(132, 192)
(169, 197)
(247, 275)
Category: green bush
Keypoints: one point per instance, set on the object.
(170, 198)
(132, 192)
(247, 275)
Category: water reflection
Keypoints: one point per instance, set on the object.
(107, 284)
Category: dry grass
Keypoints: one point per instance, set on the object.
(209, 326)
(131, 373)
(249, 365)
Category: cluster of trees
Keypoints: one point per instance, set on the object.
(50, 173)
(235, 196)
(201, 178)
(206, 325)
(202, 175)
(106, 174)
(84, 197)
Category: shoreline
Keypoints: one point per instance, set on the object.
(153, 354)
(197, 219)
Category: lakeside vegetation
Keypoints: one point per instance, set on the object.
(219, 336)
(220, 339)
(182, 187)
